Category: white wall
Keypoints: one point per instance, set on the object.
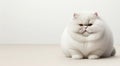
(42, 21)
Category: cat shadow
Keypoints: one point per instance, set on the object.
(102, 58)
(112, 57)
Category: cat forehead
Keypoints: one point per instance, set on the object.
(84, 17)
(84, 14)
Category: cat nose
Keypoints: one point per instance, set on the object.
(85, 27)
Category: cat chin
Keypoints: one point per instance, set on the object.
(85, 34)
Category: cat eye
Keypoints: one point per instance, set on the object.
(81, 24)
(89, 24)
(86, 24)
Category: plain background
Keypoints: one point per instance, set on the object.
(43, 21)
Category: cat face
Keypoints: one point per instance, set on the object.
(84, 22)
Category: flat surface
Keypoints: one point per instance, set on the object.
(47, 55)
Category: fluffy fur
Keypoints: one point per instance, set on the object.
(87, 36)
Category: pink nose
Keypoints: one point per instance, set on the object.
(85, 27)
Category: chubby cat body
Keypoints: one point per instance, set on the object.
(87, 36)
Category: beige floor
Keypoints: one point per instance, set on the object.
(47, 55)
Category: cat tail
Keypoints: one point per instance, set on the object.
(113, 52)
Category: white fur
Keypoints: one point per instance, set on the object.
(93, 44)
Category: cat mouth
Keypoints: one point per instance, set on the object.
(86, 34)
(84, 31)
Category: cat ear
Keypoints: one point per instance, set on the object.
(75, 15)
(96, 14)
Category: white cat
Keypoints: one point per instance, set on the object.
(87, 36)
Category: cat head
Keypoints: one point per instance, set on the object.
(83, 21)
(85, 18)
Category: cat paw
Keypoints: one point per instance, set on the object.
(93, 57)
(77, 57)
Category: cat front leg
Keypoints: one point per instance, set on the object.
(93, 57)
(66, 53)
(75, 54)
(95, 54)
